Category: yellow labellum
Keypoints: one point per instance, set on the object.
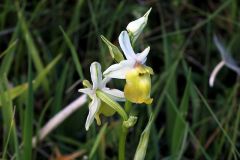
(138, 85)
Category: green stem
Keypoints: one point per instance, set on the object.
(128, 106)
(122, 142)
(123, 114)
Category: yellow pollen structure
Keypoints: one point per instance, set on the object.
(138, 84)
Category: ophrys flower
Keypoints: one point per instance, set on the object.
(97, 107)
(227, 60)
(133, 69)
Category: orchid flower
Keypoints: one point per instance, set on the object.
(133, 69)
(97, 107)
(227, 61)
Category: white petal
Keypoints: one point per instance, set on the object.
(215, 72)
(105, 81)
(96, 74)
(142, 57)
(126, 46)
(93, 109)
(119, 70)
(87, 91)
(226, 56)
(115, 94)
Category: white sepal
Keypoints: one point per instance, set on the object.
(226, 56)
(96, 74)
(115, 94)
(126, 46)
(142, 57)
(119, 70)
(87, 91)
(104, 82)
(93, 109)
(227, 60)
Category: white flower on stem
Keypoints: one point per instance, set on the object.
(227, 60)
(97, 107)
(136, 27)
(133, 69)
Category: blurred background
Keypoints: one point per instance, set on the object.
(54, 42)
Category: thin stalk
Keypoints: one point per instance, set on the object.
(122, 143)
(215, 72)
(128, 106)
(123, 114)
(59, 118)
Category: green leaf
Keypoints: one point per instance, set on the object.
(225, 133)
(143, 143)
(21, 89)
(97, 141)
(114, 51)
(32, 49)
(74, 54)
(179, 126)
(8, 117)
(196, 141)
(28, 117)
(10, 48)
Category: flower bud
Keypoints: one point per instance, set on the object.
(135, 28)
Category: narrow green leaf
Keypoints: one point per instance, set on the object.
(32, 49)
(234, 149)
(172, 89)
(143, 143)
(10, 48)
(42, 75)
(8, 116)
(8, 58)
(187, 126)
(28, 118)
(115, 53)
(8, 135)
(97, 141)
(60, 91)
(21, 89)
(179, 126)
(74, 54)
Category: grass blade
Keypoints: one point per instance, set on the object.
(10, 48)
(179, 127)
(28, 118)
(97, 141)
(20, 89)
(186, 124)
(32, 49)
(74, 54)
(8, 116)
(235, 151)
